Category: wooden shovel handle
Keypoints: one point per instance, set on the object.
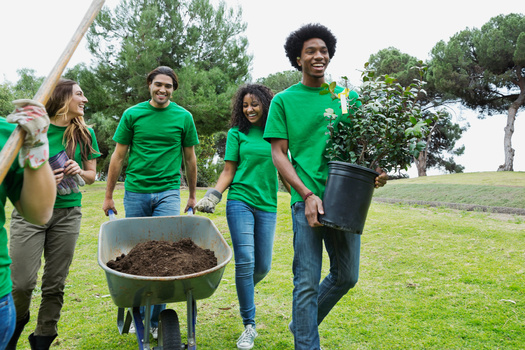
(16, 140)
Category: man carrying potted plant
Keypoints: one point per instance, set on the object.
(296, 123)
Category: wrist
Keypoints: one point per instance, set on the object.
(305, 197)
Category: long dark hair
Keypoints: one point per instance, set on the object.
(262, 93)
(77, 131)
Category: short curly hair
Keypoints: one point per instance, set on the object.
(262, 93)
(294, 43)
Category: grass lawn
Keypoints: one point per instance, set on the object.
(430, 278)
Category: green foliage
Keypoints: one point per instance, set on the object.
(386, 125)
(26, 87)
(281, 81)
(6, 99)
(444, 136)
(396, 64)
(482, 67)
(443, 132)
(203, 43)
(207, 173)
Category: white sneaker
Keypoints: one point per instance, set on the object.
(247, 338)
(154, 332)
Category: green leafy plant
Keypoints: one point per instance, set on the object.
(385, 126)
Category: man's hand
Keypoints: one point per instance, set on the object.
(313, 206)
(31, 116)
(109, 204)
(210, 200)
(380, 181)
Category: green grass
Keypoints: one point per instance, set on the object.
(430, 278)
(495, 189)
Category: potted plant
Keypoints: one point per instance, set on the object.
(383, 130)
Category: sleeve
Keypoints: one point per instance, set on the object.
(232, 146)
(276, 126)
(190, 136)
(14, 180)
(94, 144)
(124, 132)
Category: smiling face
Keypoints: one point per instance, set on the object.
(252, 109)
(313, 62)
(77, 104)
(161, 89)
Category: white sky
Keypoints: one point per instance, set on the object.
(33, 34)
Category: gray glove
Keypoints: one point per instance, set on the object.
(210, 200)
(70, 182)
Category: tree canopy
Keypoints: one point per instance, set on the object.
(203, 44)
(485, 69)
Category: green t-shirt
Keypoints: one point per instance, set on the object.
(10, 188)
(255, 182)
(297, 115)
(55, 136)
(155, 137)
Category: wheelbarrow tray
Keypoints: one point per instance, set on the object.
(119, 236)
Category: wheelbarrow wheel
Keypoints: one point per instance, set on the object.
(169, 330)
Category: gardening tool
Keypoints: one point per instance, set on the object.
(15, 141)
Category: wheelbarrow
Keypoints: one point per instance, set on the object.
(129, 292)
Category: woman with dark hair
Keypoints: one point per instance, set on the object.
(73, 148)
(251, 209)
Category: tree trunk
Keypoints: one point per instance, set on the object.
(509, 130)
(421, 163)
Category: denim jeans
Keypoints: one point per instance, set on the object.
(7, 319)
(252, 232)
(139, 205)
(165, 203)
(313, 301)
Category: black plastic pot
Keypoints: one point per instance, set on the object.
(347, 196)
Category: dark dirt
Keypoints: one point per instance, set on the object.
(161, 258)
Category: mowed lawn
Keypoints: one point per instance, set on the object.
(430, 278)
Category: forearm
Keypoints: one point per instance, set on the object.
(286, 169)
(89, 173)
(191, 177)
(226, 177)
(38, 195)
(191, 171)
(115, 166)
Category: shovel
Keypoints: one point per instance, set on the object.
(15, 141)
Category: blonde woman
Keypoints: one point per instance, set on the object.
(73, 151)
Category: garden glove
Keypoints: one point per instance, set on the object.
(210, 200)
(31, 116)
(69, 183)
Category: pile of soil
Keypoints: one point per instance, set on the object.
(161, 258)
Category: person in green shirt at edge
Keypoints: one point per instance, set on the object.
(251, 209)
(158, 134)
(296, 124)
(30, 186)
(70, 137)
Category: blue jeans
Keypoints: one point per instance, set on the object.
(7, 319)
(252, 232)
(138, 205)
(313, 301)
(165, 203)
